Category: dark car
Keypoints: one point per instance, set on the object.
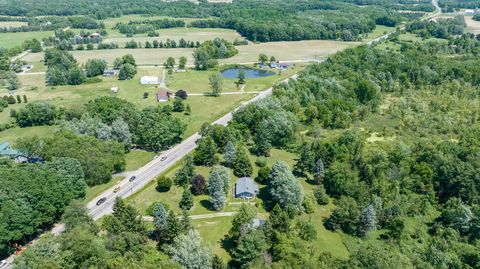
(163, 158)
(101, 201)
(132, 178)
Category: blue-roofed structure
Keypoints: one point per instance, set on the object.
(246, 188)
(6, 150)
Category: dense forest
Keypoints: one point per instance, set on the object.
(256, 20)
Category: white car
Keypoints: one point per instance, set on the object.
(163, 158)
(3, 263)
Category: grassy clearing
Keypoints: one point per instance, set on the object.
(472, 26)
(137, 158)
(11, 135)
(189, 34)
(327, 241)
(213, 240)
(379, 31)
(10, 40)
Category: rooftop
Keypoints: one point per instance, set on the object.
(246, 184)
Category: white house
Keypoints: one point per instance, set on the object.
(148, 80)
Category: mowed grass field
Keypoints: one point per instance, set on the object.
(189, 34)
(10, 40)
(283, 51)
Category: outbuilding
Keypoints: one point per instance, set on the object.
(246, 188)
(110, 72)
(148, 80)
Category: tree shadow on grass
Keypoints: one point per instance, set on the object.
(206, 204)
(264, 196)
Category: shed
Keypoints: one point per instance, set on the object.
(246, 188)
(6, 150)
(110, 72)
(114, 89)
(162, 96)
(148, 80)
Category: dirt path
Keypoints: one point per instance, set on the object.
(202, 216)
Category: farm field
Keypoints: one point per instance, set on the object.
(7, 24)
(283, 51)
(10, 40)
(189, 34)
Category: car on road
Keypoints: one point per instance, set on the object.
(163, 158)
(3, 263)
(117, 189)
(132, 178)
(101, 201)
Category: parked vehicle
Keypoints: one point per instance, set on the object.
(101, 201)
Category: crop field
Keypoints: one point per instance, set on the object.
(283, 51)
(189, 34)
(12, 24)
(472, 26)
(10, 40)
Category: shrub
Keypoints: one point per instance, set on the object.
(164, 184)
(181, 94)
(321, 195)
(261, 161)
(150, 208)
(199, 185)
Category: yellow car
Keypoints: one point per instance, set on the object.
(117, 189)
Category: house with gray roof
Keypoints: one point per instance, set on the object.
(246, 188)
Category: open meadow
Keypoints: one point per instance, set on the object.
(283, 51)
(189, 34)
(7, 24)
(10, 40)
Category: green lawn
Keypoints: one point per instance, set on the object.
(11, 135)
(10, 40)
(379, 31)
(213, 240)
(137, 158)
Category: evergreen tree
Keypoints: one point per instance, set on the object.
(189, 252)
(368, 220)
(305, 159)
(284, 188)
(218, 187)
(205, 153)
(241, 163)
(242, 222)
(217, 262)
(250, 247)
(187, 200)
(319, 171)
(171, 230)
(229, 155)
(321, 195)
(186, 222)
(125, 218)
(279, 220)
(160, 216)
(188, 110)
(185, 174)
(19, 99)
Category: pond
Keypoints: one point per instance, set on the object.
(249, 73)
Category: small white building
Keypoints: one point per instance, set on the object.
(148, 80)
(114, 89)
